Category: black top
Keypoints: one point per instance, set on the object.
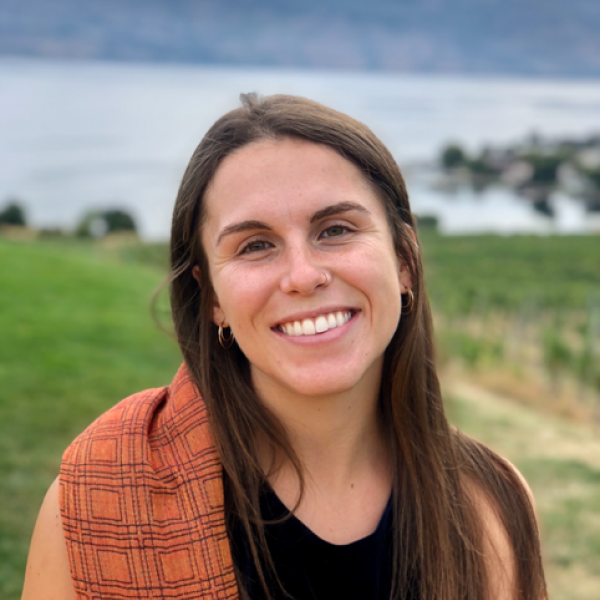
(311, 568)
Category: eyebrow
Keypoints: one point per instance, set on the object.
(241, 227)
(328, 211)
(336, 209)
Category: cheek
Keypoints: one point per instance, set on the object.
(377, 271)
(243, 298)
(385, 290)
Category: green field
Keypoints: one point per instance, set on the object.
(76, 336)
(495, 272)
(526, 306)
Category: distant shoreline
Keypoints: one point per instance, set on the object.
(547, 39)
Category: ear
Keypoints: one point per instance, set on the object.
(197, 274)
(219, 318)
(404, 277)
(413, 235)
(404, 271)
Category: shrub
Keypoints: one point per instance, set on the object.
(557, 354)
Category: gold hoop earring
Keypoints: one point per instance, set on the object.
(407, 308)
(226, 342)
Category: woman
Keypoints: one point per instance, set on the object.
(309, 386)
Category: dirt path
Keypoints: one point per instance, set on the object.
(531, 432)
(569, 509)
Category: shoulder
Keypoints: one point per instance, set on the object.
(48, 574)
(144, 415)
(485, 500)
(497, 542)
(132, 416)
(156, 441)
(136, 408)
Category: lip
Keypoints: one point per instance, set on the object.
(330, 335)
(313, 314)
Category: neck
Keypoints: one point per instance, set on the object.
(345, 459)
(339, 438)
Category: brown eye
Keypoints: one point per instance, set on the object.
(335, 231)
(255, 246)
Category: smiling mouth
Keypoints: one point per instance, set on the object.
(320, 324)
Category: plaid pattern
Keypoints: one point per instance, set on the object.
(141, 498)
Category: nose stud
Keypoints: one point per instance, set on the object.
(327, 278)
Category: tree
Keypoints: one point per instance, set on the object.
(480, 166)
(13, 214)
(100, 223)
(427, 222)
(453, 156)
(118, 220)
(545, 167)
(593, 175)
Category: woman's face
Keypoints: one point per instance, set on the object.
(303, 266)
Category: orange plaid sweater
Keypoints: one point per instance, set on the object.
(141, 498)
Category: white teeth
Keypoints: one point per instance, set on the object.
(308, 327)
(319, 325)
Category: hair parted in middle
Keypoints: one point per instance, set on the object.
(437, 533)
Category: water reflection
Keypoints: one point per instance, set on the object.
(499, 210)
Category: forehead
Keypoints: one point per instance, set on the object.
(291, 174)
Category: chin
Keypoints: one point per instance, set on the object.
(312, 389)
(314, 382)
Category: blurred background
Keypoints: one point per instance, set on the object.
(492, 110)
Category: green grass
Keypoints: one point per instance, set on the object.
(538, 296)
(479, 273)
(76, 337)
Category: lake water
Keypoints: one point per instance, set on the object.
(78, 135)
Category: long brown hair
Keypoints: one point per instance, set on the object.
(438, 538)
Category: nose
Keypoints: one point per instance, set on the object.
(303, 273)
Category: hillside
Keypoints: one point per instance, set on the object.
(77, 336)
(561, 462)
(531, 37)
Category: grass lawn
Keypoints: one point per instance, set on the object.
(76, 337)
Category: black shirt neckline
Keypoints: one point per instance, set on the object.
(311, 568)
